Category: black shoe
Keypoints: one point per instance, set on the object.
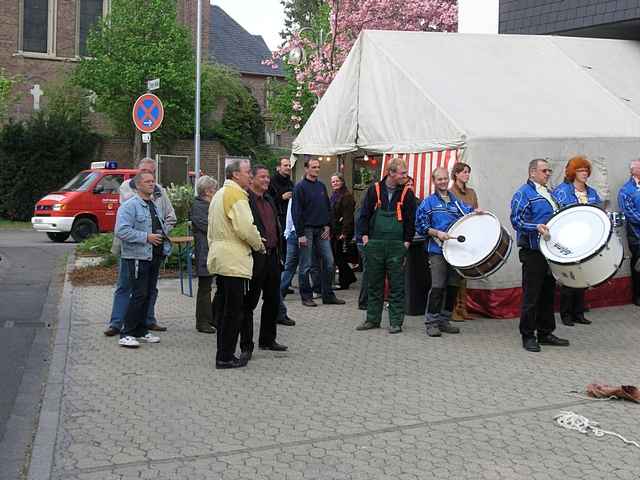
(551, 339)
(637, 301)
(530, 344)
(309, 303)
(285, 321)
(580, 319)
(448, 328)
(234, 363)
(362, 307)
(289, 291)
(567, 321)
(333, 301)
(367, 326)
(245, 356)
(111, 332)
(157, 328)
(206, 329)
(275, 346)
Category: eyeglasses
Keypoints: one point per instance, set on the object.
(546, 170)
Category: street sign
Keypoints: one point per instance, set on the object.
(153, 84)
(148, 113)
(146, 137)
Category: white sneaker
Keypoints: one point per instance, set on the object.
(128, 342)
(150, 338)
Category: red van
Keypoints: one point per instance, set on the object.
(84, 206)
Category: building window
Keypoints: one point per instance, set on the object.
(38, 26)
(270, 137)
(89, 13)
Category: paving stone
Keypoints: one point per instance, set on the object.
(340, 403)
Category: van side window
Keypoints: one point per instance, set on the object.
(109, 184)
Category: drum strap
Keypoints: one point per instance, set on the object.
(398, 205)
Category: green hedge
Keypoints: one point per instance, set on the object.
(100, 246)
(40, 156)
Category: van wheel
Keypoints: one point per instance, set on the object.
(58, 237)
(83, 228)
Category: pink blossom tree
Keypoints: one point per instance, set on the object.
(347, 18)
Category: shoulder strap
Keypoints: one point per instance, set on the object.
(378, 200)
(401, 202)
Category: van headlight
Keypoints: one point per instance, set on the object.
(57, 207)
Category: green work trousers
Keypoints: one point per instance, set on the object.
(386, 254)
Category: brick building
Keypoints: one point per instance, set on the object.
(230, 44)
(580, 18)
(41, 40)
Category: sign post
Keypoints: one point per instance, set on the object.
(148, 114)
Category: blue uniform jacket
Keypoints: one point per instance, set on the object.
(528, 210)
(565, 195)
(629, 203)
(435, 213)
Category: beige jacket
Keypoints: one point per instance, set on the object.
(232, 235)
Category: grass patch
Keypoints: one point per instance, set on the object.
(11, 225)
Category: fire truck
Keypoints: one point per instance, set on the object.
(85, 206)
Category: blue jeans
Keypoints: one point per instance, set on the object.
(291, 264)
(316, 246)
(122, 295)
(142, 282)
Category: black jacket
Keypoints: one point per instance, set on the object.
(199, 225)
(258, 258)
(278, 186)
(369, 207)
(342, 217)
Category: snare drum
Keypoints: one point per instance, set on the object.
(583, 250)
(486, 247)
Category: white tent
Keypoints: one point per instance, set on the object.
(505, 99)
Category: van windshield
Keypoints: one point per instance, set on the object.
(80, 183)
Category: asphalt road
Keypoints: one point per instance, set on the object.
(31, 274)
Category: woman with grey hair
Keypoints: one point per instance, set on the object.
(206, 188)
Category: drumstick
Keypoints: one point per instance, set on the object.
(459, 238)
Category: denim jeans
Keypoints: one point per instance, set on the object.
(142, 281)
(291, 264)
(122, 295)
(321, 247)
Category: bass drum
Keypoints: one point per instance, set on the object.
(582, 249)
(485, 249)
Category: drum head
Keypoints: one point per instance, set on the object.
(576, 234)
(481, 231)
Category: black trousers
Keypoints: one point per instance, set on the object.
(265, 280)
(538, 288)
(635, 276)
(143, 278)
(345, 275)
(229, 314)
(571, 302)
(205, 307)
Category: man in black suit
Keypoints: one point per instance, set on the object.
(266, 270)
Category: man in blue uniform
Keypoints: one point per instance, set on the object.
(629, 203)
(532, 206)
(435, 216)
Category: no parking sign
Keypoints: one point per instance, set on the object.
(148, 113)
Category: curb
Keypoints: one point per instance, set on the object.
(41, 462)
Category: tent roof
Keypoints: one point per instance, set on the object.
(419, 91)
